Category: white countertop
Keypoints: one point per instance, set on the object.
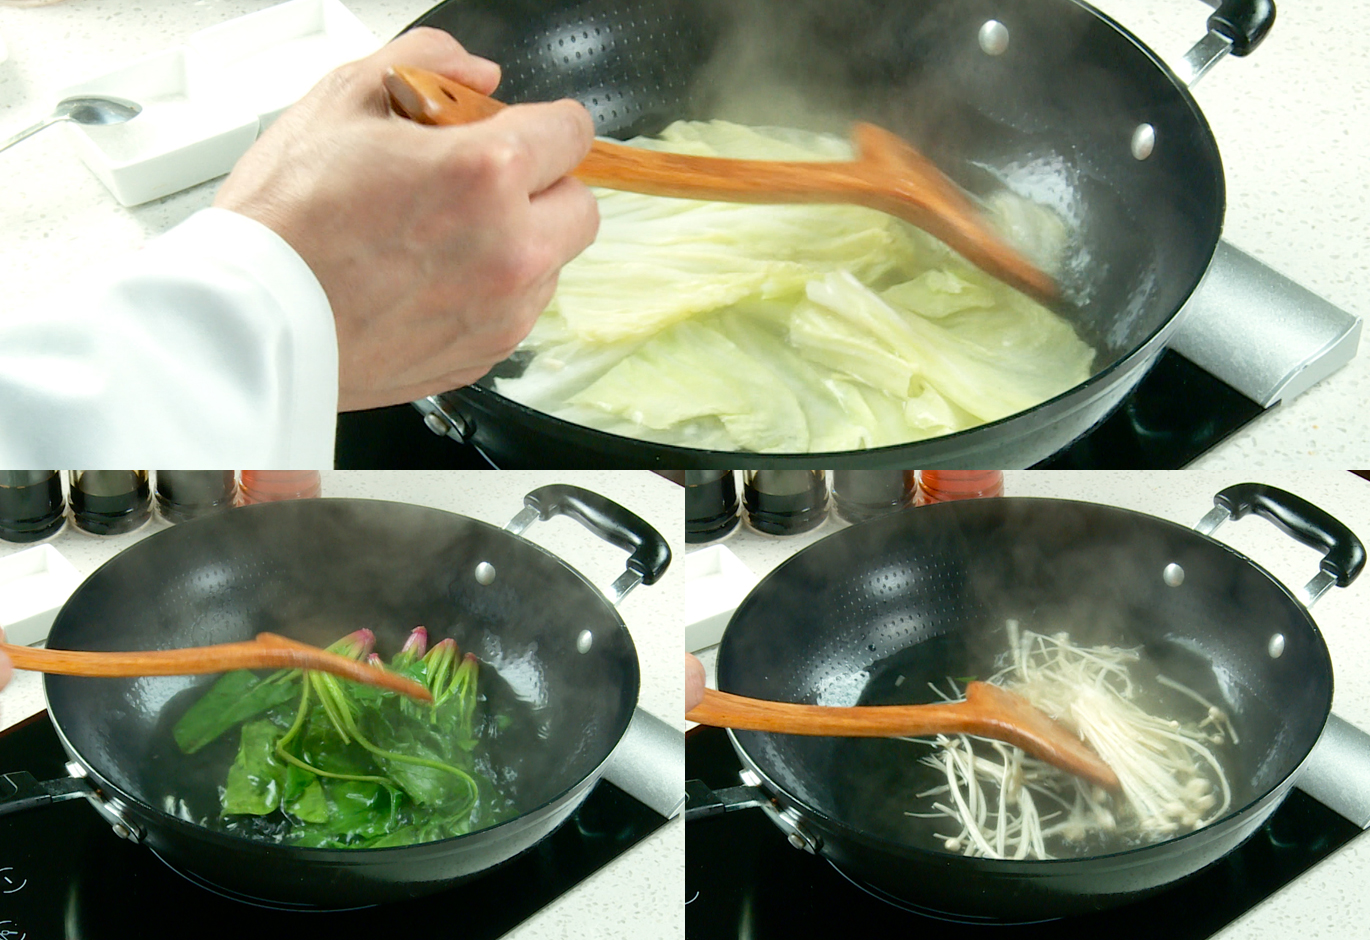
(638, 895)
(1289, 121)
(1331, 900)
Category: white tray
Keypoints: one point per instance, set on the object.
(34, 584)
(268, 60)
(205, 102)
(717, 581)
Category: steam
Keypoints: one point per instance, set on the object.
(873, 614)
(1049, 120)
(317, 570)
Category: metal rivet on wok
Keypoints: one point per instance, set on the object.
(485, 572)
(1143, 141)
(585, 641)
(1173, 575)
(993, 37)
(1276, 647)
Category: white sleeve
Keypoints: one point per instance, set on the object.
(212, 347)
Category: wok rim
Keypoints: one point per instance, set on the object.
(164, 820)
(1272, 795)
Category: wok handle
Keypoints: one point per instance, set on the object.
(650, 555)
(22, 791)
(1244, 22)
(1343, 553)
(1236, 27)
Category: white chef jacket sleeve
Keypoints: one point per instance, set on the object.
(213, 346)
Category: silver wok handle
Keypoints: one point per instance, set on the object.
(649, 764)
(1236, 27)
(1337, 772)
(22, 791)
(1343, 554)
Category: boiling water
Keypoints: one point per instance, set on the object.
(190, 786)
(881, 779)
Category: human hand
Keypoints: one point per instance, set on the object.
(436, 246)
(694, 682)
(5, 668)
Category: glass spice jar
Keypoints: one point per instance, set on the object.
(938, 486)
(268, 486)
(110, 502)
(31, 504)
(183, 495)
(785, 502)
(711, 505)
(858, 495)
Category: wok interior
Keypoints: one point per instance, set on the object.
(1051, 118)
(925, 596)
(317, 570)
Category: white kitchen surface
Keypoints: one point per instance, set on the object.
(1289, 121)
(638, 895)
(1330, 901)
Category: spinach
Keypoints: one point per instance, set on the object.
(339, 765)
(236, 697)
(257, 777)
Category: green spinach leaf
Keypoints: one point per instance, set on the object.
(236, 697)
(257, 778)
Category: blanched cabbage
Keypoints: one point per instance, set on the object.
(790, 328)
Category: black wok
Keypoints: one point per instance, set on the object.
(1051, 118)
(553, 650)
(924, 594)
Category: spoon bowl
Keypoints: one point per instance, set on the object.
(89, 109)
(82, 109)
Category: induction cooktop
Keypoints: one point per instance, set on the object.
(744, 879)
(64, 874)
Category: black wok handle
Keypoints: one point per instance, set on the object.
(1244, 22)
(1343, 553)
(650, 555)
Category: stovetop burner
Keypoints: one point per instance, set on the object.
(743, 878)
(64, 874)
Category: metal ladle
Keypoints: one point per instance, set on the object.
(83, 109)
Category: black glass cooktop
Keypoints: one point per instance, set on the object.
(1176, 413)
(743, 879)
(64, 875)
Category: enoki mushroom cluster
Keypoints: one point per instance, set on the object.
(1000, 803)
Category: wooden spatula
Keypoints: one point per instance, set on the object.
(988, 711)
(888, 174)
(264, 651)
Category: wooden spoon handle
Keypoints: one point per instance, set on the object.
(987, 711)
(726, 710)
(889, 175)
(265, 651)
(430, 98)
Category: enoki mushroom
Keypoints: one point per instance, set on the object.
(1003, 804)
